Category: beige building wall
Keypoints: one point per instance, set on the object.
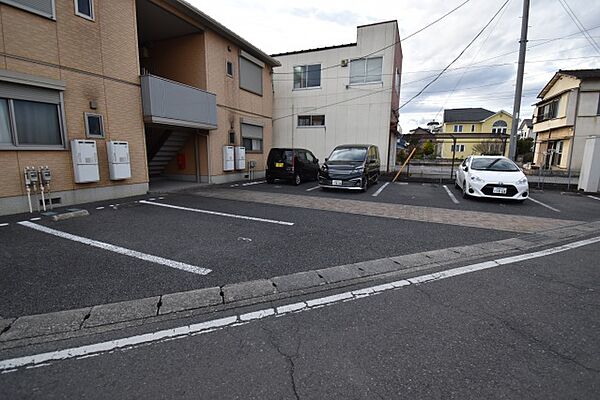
(98, 62)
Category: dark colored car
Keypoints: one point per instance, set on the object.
(351, 166)
(296, 165)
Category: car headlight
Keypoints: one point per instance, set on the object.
(360, 169)
(324, 167)
(522, 181)
(475, 178)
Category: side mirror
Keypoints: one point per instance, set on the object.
(466, 169)
(316, 160)
(327, 159)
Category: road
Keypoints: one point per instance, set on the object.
(527, 330)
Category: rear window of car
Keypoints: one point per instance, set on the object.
(281, 155)
(493, 164)
(348, 154)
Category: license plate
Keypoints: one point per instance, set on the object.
(279, 165)
(499, 190)
(336, 182)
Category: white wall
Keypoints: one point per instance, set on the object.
(364, 120)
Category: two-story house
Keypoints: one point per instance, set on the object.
(342, 94)
(475, 131)
(566, 115)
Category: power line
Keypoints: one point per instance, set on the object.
(579, 25)
(394, 43)
(456, 58)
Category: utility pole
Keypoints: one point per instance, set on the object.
(512, 149)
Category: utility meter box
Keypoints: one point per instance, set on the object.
(228, 158)
(85, 161)
(119, 165)
(240, 157)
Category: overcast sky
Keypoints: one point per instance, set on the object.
(278, 26)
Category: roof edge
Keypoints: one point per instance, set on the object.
(338, 46)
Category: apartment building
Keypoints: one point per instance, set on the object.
(157, 77)
(203, 88)
(341, 94)
(475, 131)
(68, 71)
(567, 114)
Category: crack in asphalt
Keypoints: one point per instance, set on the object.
(528, 336)
(289, 358)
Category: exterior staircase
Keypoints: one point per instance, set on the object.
(165, 153)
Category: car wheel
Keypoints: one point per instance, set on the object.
(365, 184)
(297, 179)
(456, 185)
(376, 181)
(465, 195)
(270, 180)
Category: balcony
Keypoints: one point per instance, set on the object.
(167, 102)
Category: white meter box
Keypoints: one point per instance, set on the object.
(85, 161)
(240, 157)
(228, 158)
(119, 164)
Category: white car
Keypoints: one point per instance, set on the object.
(491, 176)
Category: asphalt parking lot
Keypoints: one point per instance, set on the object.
(151, 245)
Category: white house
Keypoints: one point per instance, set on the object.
(341, 94)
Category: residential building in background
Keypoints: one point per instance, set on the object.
(69, 71)
(205, 91)
(567, 114)
(476, 130)
(526, 129)
(341, 94)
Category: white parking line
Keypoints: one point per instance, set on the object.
(117, 249)
(4, 224)
(380, 189)
(401, 183)
(43, 359)
(99, 208)
(253, 183)
(312, 188)
(452, 197)
(543, 204)
(593, 197)
(220, 214)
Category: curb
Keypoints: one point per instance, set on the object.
(106, 317)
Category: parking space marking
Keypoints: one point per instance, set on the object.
(99, 208)
(35, 219)
(117, 249)
(452, 196)
(312, 188)
(220, 214)
(253, 183)
(4, 224)
(380, 189)
(401, 183)
(212, 325)
(593, 197)
(544, 204)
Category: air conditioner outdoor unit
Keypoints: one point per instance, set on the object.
(344, 62)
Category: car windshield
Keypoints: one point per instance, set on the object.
(348, 154)
(493, 164)
(280, 155)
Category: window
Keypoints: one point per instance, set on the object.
(252, 137)
(85, 8)
(310, 158)
(472, 128)
(229, 68)
(45, 8)
(307, 76)
(311, 120)
(458, 128)
(94, 125)
(30, 123)
(459, 148)
(366, 70)
(397, 82)
(547, 111)
(499, 127)
(251, 74)
(598, 110)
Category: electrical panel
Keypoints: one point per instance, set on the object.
(85, 161)
(119, 164)
(228, 158)
(240, 157)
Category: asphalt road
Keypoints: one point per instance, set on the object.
(527, 330)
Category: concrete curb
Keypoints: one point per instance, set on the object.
(79, 322)
(70, 214)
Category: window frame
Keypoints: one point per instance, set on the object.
(311, 125)
(305, 75)
(32, 10)
(364, 81)
(458, 128)
(87, 126)
(255, 62)
(85, 16)
(262, 139)
(457, 148)
(227, 64)
(15, 145)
